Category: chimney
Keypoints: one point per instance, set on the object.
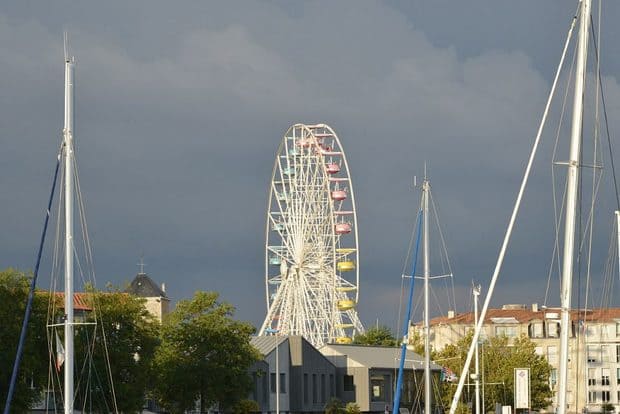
(163, 287)
(534, 307)
(450, 314)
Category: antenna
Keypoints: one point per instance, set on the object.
(141, 264)
(66, 45)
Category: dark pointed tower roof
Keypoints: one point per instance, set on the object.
(144, 287)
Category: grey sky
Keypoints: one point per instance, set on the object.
(181, 107)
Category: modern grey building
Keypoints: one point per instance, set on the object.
(367, 375)
(310, 378)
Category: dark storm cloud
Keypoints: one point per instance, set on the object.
(181, 109)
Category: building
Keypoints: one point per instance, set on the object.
(307, 378)
(310, 378)
(367, 376)
(594, 346)
(157, 302)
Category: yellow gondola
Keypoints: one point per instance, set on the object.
(344, 340)
(344, 326)
(346, 304)
(345, 266)
(347, 250)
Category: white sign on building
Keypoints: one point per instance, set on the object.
(522, 388)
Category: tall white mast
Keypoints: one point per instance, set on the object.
(476, 292)
(571, 201)
(427, 271)
(68, 175)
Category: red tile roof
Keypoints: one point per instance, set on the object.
(526, 315)
(81, 300)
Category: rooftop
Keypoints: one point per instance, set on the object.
(144, 287)
(522, 314)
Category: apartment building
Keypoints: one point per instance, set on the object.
(594, 346)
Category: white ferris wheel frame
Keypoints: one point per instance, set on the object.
(310, 294)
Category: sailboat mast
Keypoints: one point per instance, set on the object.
(571, 201)
(476, 292)
(427, 271)
(68, 201)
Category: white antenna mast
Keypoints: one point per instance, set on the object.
(68, 174)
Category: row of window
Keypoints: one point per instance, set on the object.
(604, 377)
(319, 391)
(551, 329)
(600, 397)
(595, 353)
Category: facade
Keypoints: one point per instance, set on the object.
(310, 378)
(157, 302)
(594, 347)
(307, 378)
(367, 376)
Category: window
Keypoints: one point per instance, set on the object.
(618, 378)
(536, 330)
(509, 331)
(591, 353)
(347, 383)
(605, 353)
(618, 353)
(618, 330)
(605, 396)
(591, 397)
(591, 376)
(283, 383)
(377, 385)
(323, 399)
(553, 329)
(315, 389)
(552, 355)
(605, 376)
(553, 377)
(539, 350)
(273, 381)
(306, 393)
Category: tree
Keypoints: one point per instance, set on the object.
(500, 359)
(377, 336)
(119, 347)
(335, 406)
(32, 379)
(352, 408)
(204, 356)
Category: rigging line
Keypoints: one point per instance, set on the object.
(444, 247)
(513, 218)
(407, 316)
(33, 284)
(556, 216)
(600, 86)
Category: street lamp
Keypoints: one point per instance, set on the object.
(274, 332)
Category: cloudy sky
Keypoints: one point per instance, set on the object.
(181, 107)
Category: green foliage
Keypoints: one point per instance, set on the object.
(377, 336)
(334, 406)
(204, 355)
(607, 408)
(352, 408)
(246, 407)
(32, 379)
(126, 335)
(500, 359)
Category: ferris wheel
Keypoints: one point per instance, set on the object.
(311, 249)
